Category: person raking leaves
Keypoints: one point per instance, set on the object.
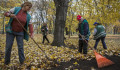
(84, 33)
(14, 29)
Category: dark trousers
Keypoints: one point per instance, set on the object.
(9, 42)
(83, 46)
(45, 37)
(103, 42)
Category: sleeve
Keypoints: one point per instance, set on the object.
(95, 31)
(31, 29)
(11, 11)
(30, 26)
(86, 27)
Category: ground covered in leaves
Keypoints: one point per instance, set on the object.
(60, 58)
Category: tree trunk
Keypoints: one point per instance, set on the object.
(61, 13)
(66, 29)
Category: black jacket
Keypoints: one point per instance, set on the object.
(44, 30)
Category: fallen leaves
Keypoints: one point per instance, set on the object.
(35, 58)
(75, 63)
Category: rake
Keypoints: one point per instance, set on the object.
(36, 43)
(101, 61)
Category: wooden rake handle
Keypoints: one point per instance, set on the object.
(32, 38)
(86, 42)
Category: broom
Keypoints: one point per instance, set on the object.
(101, 61)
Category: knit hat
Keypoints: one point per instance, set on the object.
(95, 23)
(78, 17)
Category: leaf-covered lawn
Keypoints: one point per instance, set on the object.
(35, 58)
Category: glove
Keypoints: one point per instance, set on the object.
(83, 37)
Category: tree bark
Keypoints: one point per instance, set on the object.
(61, 13)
